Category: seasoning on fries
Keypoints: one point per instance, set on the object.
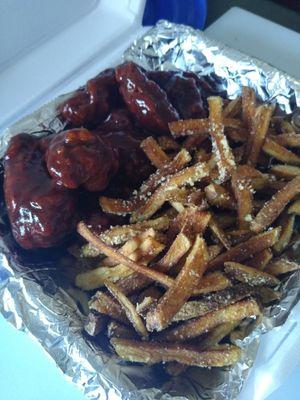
(207, 241)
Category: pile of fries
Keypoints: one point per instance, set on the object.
(207, 242)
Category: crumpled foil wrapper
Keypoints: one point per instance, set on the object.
(32, 297)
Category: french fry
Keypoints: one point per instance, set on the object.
(168, 143)
(198, 127)
(225, 220)
(281, 266)
(294, 208)
(285, 171)
(250, 276)
(212, 301)
(279, 152)
(236, 236)
(212, 282)
(287, 139)
(94, 324)
(287, 228)
(233, 108)
(218, 196)
(177, 250)
(187, 176)
(243, 190)
(237, 135)
(117, 330)
(190, 221)
(245, 250)
(106, 305)
(184, 285)
(129, 310)
(260, 260)
(214, 250)
(213, 338)
(261, 126)
(223, 153)
(109, 251)
(267, 295)
(154, 353)
(120, 234)
(198, 326)
(248, 106)
(219, 233)
(273, 208)
(96, 278)
(154, 152)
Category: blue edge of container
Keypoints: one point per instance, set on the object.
(188, 12)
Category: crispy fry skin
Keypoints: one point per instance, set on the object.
(260, 260)
(243, 190)
(154, 353)
(225, 159)
(245, 250)
(285, 171)
(212, 301)
(154, 152)
(279, 152)
(281, 266)
(261, 126)
(287, 228)
(218, 196)
(84, 231)
(250, 276)
(186, 177)
(196, 327)
(273, 208)
(104, 304)
(129, 310)
(184, 285)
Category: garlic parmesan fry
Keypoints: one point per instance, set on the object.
(281, 266)
(287, 228)
(285, 171)
(250, 276)
(154, 353)
(248, 106)
(212, 282)
(184, 285)
(154, 152)
(219, 233)
(287, 139)
(187, 176)
(279, 152)
(218, 196)
(177, 250)
(261, 126)
(197, 326)
(129, 310)
(243, 190)
(245, 250)
(212, 301)
(273, 208)
(233, 108)
(106, 305)
(84, 231)
(213, 338)
(260, 260)
(225, 159)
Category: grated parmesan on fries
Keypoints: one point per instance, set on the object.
(207, 239)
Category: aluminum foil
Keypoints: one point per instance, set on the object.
(33, 297)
